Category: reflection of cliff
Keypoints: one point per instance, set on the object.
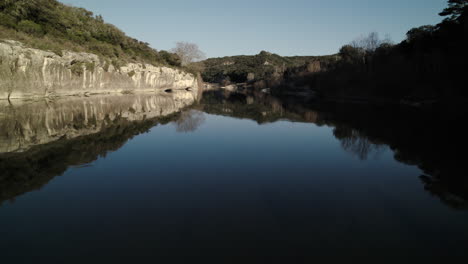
(433, 140)
(42, 140)
(26, 124)
(30, 170)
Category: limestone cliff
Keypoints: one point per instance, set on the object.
(29, 73)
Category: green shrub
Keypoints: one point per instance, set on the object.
(90, 66)
(77, 68)
(171, 58)
(117, 63)
(8, 21)
(30, 27)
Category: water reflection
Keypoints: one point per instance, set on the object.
(432, 140)
(189, 121)
(41, 140)
(24, 124)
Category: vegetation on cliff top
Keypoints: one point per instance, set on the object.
(51, 25)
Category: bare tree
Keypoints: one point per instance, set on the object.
(370, 42)
(188, 52)
(356, 142)
(189, 121)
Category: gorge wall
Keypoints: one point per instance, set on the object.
(29, 73)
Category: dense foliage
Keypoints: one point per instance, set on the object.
(48, 24)
(262, 66)
(430, 64)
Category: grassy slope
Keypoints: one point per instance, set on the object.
(51, 25)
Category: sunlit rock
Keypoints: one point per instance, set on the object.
(30, 73)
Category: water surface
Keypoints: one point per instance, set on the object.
(233, 176)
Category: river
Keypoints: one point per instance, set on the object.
(234, 176)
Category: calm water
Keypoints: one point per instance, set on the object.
(231, 177)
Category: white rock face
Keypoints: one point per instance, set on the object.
(30, 73)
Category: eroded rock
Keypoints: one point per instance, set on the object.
(30, 73)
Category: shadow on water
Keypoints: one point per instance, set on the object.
(432, 139)
(41, 140)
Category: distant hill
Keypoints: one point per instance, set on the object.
(263, 66)
(426, 69)
(51, 25)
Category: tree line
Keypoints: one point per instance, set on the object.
(429, 64)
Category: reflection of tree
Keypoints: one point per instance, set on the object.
(189, 121)
(366, 131)
(355, 142)
(451, 191)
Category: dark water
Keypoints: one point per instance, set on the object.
(235, 178)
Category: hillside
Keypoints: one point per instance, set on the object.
(427, 67)
(263, 66)
(51, 25)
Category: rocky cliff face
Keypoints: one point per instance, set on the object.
(29, 73)
(25, 124)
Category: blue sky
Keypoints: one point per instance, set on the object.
(292, 27)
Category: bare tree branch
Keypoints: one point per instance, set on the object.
(188, 52)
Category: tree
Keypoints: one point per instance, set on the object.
(189, 121)
(419, 33)
(351, 54)
(370, 42)
(455, 9)
(188, 52)
(30, 27)
(171, 58)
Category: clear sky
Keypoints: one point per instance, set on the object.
(285, 27)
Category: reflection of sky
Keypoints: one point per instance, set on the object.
(233, 183)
